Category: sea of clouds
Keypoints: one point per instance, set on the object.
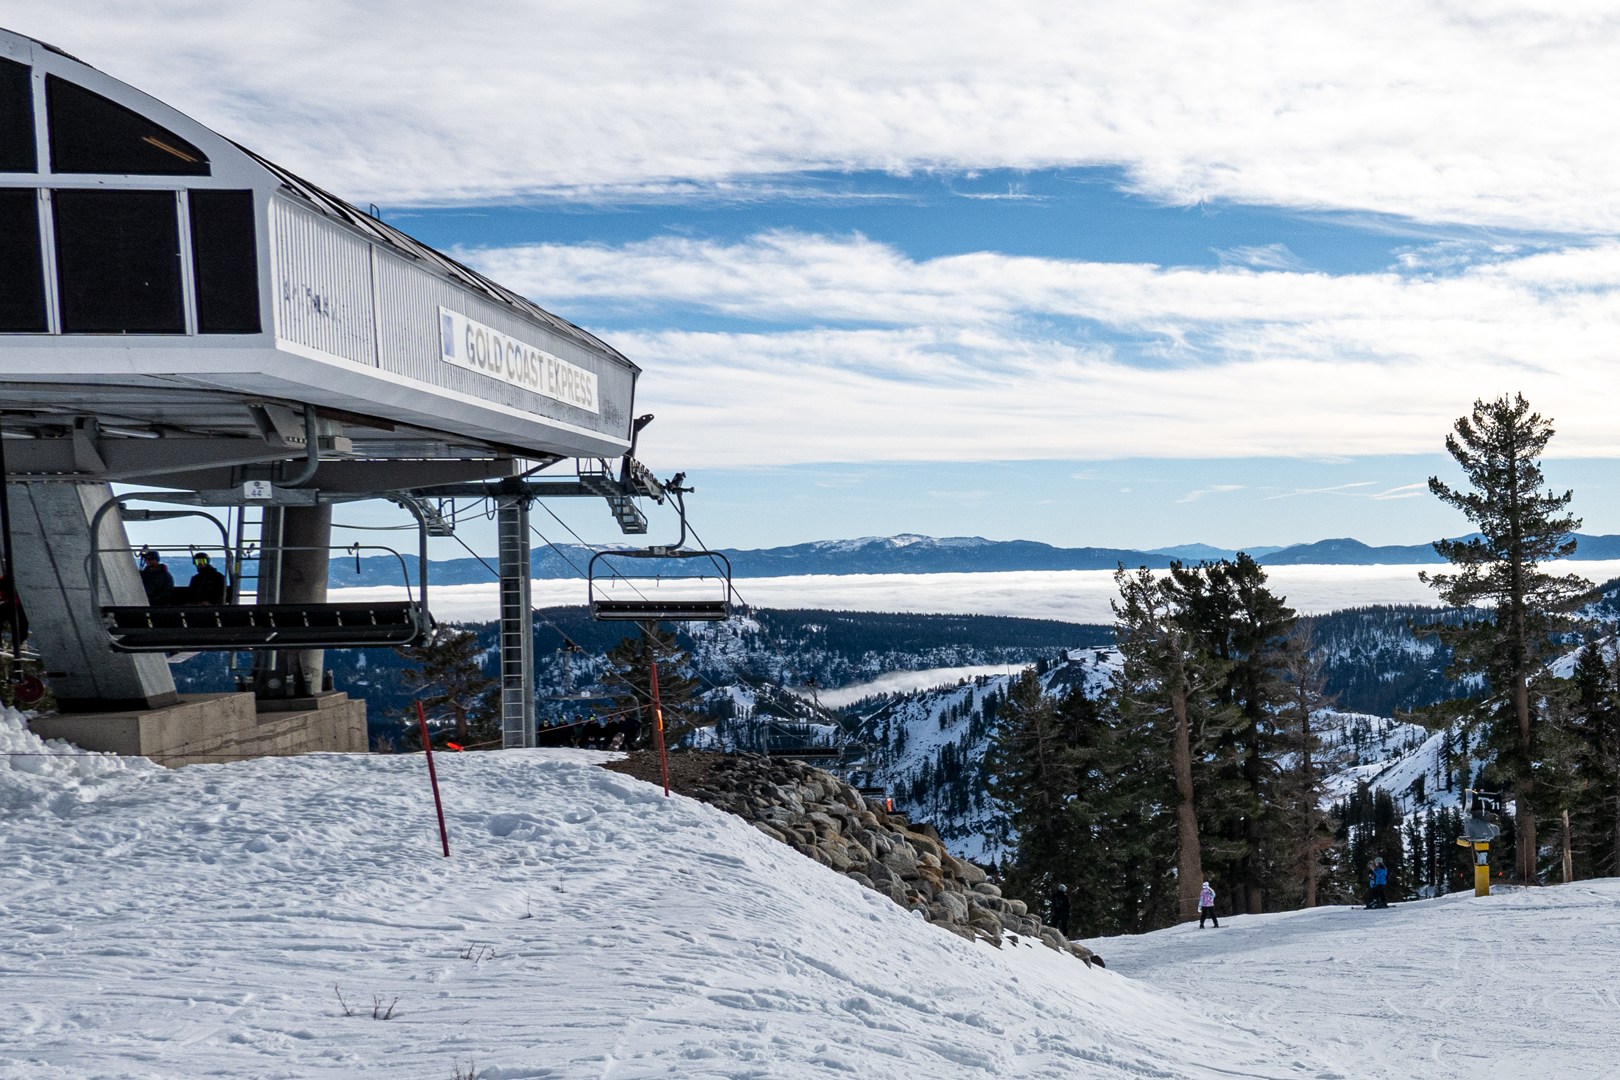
(1070, 595)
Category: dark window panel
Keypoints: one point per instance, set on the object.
(118, 262)
(16, 118)
(22, 267)
(92, 134)
(224, 253)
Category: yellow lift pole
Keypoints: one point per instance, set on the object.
(1482, 864)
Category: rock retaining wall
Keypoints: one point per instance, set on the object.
(828, 820)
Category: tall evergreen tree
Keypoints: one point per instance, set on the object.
(1522, 527)
(1596, 723)
(1129, 805)
(1033, 774)
(1303, 781)
(1163, 689)
(1243, 624)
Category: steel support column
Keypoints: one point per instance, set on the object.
(295, 559)
(517, 624)
(50, 526)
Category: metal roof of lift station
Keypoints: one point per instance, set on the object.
(175, 306)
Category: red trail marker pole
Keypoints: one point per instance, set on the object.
(433, 775)
(658, 725)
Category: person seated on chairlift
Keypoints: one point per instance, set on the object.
(207, 585)
(156, 579)
(11, 607)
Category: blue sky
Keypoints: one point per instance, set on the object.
(1085, 274)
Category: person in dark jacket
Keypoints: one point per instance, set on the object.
(11, 608)
(1058, 904)
(156, 579)
(207, 584)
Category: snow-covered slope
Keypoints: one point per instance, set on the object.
(1405, 760)
(1517, 984)
(206, 921)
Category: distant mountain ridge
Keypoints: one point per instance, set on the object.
(909, 553)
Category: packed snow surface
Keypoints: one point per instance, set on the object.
(1517, 984)
(205, 921)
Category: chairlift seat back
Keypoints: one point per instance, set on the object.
(656, 610)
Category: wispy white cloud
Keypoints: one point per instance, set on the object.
(1358, 490)
(1213, 489)
(1263, 257)
(861, 353)
(1486, 113)
(1404, 491)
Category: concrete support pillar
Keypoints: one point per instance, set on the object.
(50, 526)
(296, 546)
(517, 624)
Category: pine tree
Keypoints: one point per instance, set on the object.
(1241, 623)
(1163, 689)
(449, 678)
(1595, 719)
(1303, 783)
(1132, 806)
(628, 682)
(1032, 773)
(1499, 446)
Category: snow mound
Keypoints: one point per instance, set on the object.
(259, 919)
(34, 772)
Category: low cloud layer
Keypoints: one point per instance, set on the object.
(1073, 596)
(1487, 113)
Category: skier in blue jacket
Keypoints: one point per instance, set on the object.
(1377, 880)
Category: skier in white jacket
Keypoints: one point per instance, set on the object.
(1206, 906)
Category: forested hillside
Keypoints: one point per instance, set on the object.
(757, 649)
(1373, 663)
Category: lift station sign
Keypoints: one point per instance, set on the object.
(470, 344)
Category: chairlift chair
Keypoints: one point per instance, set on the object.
(656, 607)
(237, 626)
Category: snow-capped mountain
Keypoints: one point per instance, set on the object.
(910, 553)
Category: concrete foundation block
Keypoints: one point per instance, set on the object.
(206, 728)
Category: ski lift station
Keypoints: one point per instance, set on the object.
(180, 315)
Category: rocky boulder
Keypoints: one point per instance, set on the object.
(829, 821)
